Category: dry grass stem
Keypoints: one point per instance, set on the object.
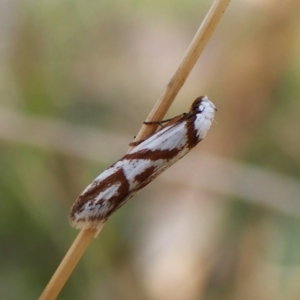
(68, 264)
(189, 60)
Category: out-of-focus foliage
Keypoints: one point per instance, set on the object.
(77, 80)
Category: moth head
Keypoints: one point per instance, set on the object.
(203, 105)
(201, 108)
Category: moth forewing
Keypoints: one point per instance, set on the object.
(169, 137)
(117, 184)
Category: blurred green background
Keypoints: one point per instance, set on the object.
(77, 79)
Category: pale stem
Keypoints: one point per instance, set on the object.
(190, 58)
(68, 264)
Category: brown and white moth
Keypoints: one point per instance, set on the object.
(117, 184)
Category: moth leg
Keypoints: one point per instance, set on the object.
(173, 120)
(160, 123)
(133, 144)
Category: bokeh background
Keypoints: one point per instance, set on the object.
(77, 79)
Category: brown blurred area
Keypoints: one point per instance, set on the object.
(78, 78)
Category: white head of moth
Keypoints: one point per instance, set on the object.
(117, 184)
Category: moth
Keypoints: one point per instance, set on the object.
(117, 184)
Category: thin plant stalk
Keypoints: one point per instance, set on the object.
(189, 60)
(68, 264)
